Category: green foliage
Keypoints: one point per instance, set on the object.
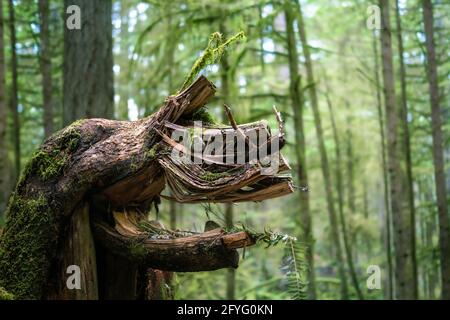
(212, 53)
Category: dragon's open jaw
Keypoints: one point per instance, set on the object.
(207, 178)
(149, 243)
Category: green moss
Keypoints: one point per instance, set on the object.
(29, 237)
(212, 53)
(29, 240)
(50, 164)
(138, 250)
(204, 116)
(212, 176)
(151, 154)
(5, 295)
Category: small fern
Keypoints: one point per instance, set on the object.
(297, 266)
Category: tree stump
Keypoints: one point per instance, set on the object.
(84, 197)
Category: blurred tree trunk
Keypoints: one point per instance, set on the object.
(225, 89)
(351, 200)
(323, 154)
(406, 285)
(3, 123)
(406, 137)
(366, 211)
(88, 61)
(304, 222)
(438, 158)
(124, 47)
(46, 66)
(14, 91)
(427, 220)
(387, 211)
(170, 55)
(339, 188)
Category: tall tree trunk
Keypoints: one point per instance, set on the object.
(225, 89)
(124, 47)
(339, 188)
(387, 211)
(323, 154)
(3, 122)
(406, 137)
(351, 200)
(46, 66)
(170, 55)
(88, 92)
(304, 221)
(366, 211)
(88, 61)
(406, 286)
(438, 158)
(14, 91)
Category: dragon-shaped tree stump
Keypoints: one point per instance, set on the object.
(84, 197)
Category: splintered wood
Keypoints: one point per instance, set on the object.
(219, 176)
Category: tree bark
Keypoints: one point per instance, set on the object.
(387, 211)
(124, 87)
(297, 105)
(323, 154)
(406, 136)
(3, 123)
(438, 158)
(46, 66)
(79, 250)
(14, 91)
(406, 286)
(88, 60)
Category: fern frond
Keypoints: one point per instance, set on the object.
(297, 269)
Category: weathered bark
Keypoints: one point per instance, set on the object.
(438, 158)
(406, 136)
(206, 251)
(305, 221)
(3, 122)
(88, 76)
(323, 154)
(13, 103)
(406, 286)
(387, 211)
(78, 249)
(46, 66)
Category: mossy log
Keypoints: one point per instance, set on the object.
(105, 165)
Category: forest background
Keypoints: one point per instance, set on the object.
(367, 110)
